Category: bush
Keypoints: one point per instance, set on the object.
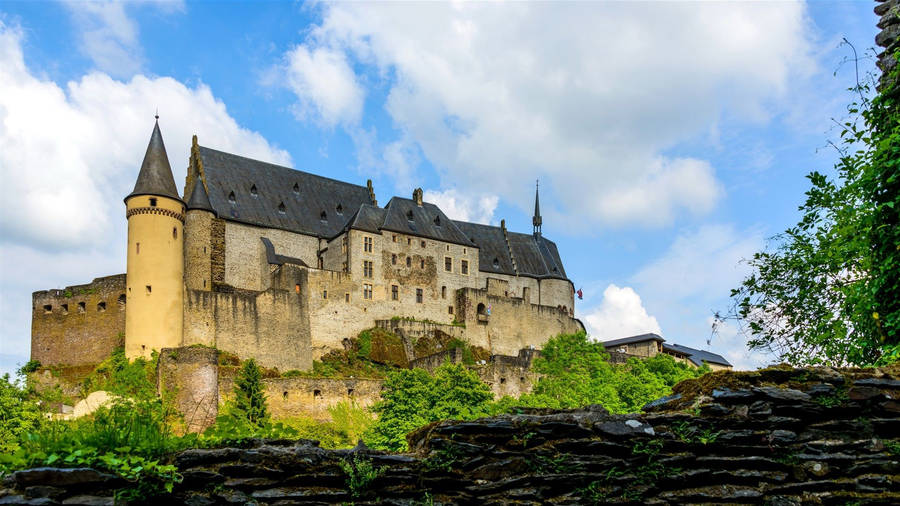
(249, 398)
(30, 366)
(18, 414)
(122, 377)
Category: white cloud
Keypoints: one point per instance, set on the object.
(325, 84)
(620, 314)
(732, 345)
(68, 155)
(588, 96)
(463, 207)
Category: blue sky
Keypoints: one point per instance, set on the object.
(671, 139)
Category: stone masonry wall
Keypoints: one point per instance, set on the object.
(779, 436)
(80, 324)
(191, 375)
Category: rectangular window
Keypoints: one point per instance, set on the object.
(367, 291)
(423, 244)
(464, 266)
(347, 297)
(324, 294)
(367, 268)
(422, 263)
(395, 292)
(449, 309)
(448, 264)
(443, 292)
(367, 244)
(409, 261)
(394, 237)
(394, 259)
(418, 295)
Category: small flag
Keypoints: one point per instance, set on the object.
(580, 294)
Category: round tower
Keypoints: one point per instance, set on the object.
(198, 239)
(155, 272)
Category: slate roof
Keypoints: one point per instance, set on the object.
(698, 356)
(199, 199)
(276, 203)
(428, 221)
(155, 177)
(633, 339)
(536, 256)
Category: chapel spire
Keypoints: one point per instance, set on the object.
(536, 219)
(155, 177)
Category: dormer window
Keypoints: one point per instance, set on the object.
(231, 197)
(496, 263)
(281, 208)
(323, 216)
(339, 209)
(297, 188)
(437, 221)
(409, 215)
(253, 191)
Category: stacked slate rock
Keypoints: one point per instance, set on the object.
(777, 436)
(889, 36)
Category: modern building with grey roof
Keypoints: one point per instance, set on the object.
(648, 345)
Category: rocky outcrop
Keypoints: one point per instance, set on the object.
(777, 436)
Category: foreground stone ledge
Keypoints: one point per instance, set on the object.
(777, 436)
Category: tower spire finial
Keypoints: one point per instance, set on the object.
(157, 114)
(536, 219)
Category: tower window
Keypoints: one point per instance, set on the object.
(409, 261)
(137, 248)
(174, 232)
(152, 202)
(449, 309)
(422, 263)
(394, 259)
(317, 394)
(149, 289)
(81, 307)
(121, 302)
(464, 266)
(297, 288)
(48, 308)
(101, 307)
(395, 292)
(443, 292)
(281, 208)
(231, 197)
(418, 295)
(408, 241)
(423, 244)
(394, 237)
(65, 309)
(448, 264)
(253, 191)
(347, 297)
(324, 294)
(350, 392)
(297, 188)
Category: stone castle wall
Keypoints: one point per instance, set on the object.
(245, 258)
(512, 324)
(80, 324)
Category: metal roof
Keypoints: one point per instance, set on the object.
(698, 357)
(269, 195)
(633, 339)
(155, 177)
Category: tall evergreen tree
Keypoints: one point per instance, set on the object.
(249, 398)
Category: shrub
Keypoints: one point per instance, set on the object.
(250, 400)
(18, 414)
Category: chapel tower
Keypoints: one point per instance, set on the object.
(155, 271)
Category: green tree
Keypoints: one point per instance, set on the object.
(18, 414)
(827, 290)
(411, 398)
(249, 398)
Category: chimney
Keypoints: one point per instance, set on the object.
(417, 196)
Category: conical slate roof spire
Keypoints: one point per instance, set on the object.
(536, 219)
(155, 177)
(199, 199)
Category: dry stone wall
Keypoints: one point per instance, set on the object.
(780, 436)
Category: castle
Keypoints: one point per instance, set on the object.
(280, 265)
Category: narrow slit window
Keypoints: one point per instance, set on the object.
(409, 261)
(174, 232)
(393, 259)
(149, 289)
(443, 292)
(422, 263)
(419, 295)
(449, 309)
(137, 249)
